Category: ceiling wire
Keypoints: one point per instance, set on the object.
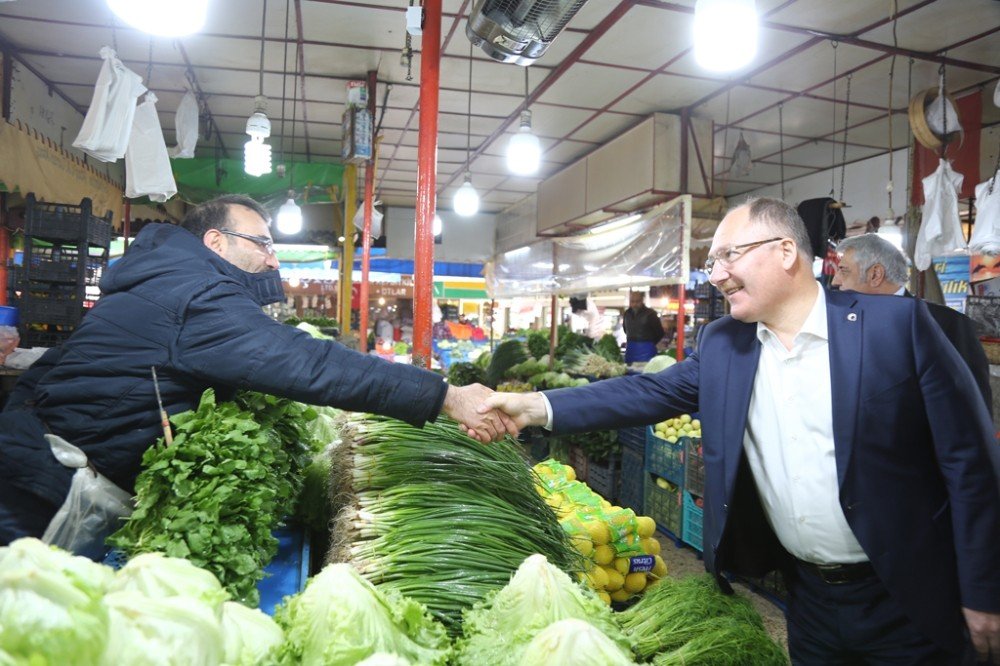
(468, 121)
(263, 19)
(284, 77)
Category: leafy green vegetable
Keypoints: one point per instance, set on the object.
(250, 637)
(597, 444)
(154, 575)
(570, 341)
(313, 508)
(498, 631)
(215, 496)
(463, 374)
(573, 642)
(50, 606)
(726, 642)
(508, 354)
(658, 363)
(341, 619)
(609, 348)
(538, 344)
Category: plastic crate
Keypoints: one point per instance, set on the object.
(633, 438)
(691, 532)
(288, 571)
(663, 506)
(578, 461)
(603, 477)
(66, 222)
(633, 476)
(54, 310)
(665, 459)
(694, 466)
(536, 446)
(45, 338)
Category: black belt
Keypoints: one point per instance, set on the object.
(839, 574)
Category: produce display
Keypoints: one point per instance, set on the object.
(609, 348)
(56, 608)
(463, 374)
(623, 555)
(591, 364)
(504, 629)
(691, 622)
(658, 363)
(435, 515)
(673, 429)
(506, 355)
(218, 492)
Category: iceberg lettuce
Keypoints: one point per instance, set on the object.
(573, 643)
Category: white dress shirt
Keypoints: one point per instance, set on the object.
(789, 444)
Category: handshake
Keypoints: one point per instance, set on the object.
(488, 416)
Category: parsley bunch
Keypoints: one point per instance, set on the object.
(215, 496)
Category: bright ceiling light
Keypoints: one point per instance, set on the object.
(290, 217)
(466, 201)
(436, 226)
(524, 152)
(166, 18)
(256, 153)
(725, 34)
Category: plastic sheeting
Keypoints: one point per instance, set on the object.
(651, 250)
(940, 229)
(986, 231)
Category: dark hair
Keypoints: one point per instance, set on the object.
(214, 214)
(781, 218)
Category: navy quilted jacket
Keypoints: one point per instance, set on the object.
(172, 303)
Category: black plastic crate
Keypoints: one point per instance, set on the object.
(663, 505)
(633, 438)
(633, 475)
(45, 338)
(694, 467)
(603, 477)
(578, 461)
(66, 222)
(54, 310)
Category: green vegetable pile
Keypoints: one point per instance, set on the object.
(507, 354)
(598, 445)
(463, 374)
(690, 622)
(608, 347)
(588, 363)
(568, 341)
(215, 496)
(56, 608)
(538, 344)
(436, 515)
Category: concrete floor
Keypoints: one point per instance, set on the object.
(684, 561)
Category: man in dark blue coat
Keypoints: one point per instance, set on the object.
(187, 300)
(844, 440)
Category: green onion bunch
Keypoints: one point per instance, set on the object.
(437, 516)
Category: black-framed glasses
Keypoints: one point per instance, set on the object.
(730, 255)
(263, 242)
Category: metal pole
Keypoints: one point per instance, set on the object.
(347, 255)
(366, 237)
(127, 223)
(553, 329)
(681, 317)
(4, 248)
(423, 269)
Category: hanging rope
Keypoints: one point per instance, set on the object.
(843, 154)
(833, 132)
(263, 18)
(149, 66)
(284, 77)
(114, 35)
(944, 110)
(781, 146)
(892, 70)
(468, 121)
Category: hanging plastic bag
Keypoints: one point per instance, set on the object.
(986, 231)
(940, 228)
(147, 165)
(93, 508)
(108, 123)
(941, 115)
(359, 220)
(186, 122)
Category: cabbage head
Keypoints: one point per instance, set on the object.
(50, 605)
(250, 637)
(498, 630)
(341, 619)
(573, 643)
(157, 576)
(658, 363)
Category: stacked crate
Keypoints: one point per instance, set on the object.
(633, 462)
(65, 253)
(664, 461)
(694, 491)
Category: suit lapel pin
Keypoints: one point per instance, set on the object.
(852, 317)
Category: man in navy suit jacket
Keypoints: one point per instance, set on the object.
(844, 442)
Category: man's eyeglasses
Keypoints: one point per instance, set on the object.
(730, 255)
(264, 242)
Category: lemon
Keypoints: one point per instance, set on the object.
(650, 546)
(599, 578)
(635, 582)
(660, 567)
(646, 526)
(599, 532)
(604, 554)
(615, 579)
(570, 473)
(584, 545)
(620, 595)
(622, 565)
(605, 597)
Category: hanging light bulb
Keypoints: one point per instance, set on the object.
(256, 153)
(436, 225)
(166, 18)
(290, 216)
(892, 232)
(524, 152)
(466, 201)
(725, 34)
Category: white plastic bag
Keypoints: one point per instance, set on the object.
(940, 111)
(93, 508)
(186, 123)
(147, 165)
(108, 123)
(940, 228)
(359, 220)
(986, 231)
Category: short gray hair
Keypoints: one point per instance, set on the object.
(783, 220)
(872, 249)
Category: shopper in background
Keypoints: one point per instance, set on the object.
(642, 329)
(844, 442)
(869, 264)
(187, 300)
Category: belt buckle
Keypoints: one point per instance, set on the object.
(833, 574)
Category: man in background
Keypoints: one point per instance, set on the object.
(642, 329)
(870, 264)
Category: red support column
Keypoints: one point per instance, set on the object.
(681, 318)
(423, 264)
(366, 234)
